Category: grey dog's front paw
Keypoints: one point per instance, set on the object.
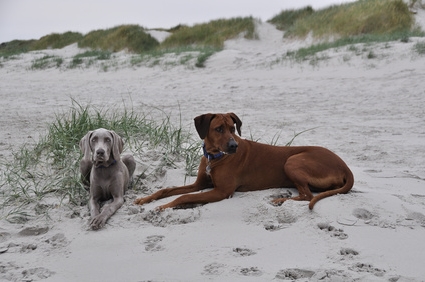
(97, 222)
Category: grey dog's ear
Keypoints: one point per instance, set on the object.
(117, 145)
(238, 122)
(202, 124)
(85, 145)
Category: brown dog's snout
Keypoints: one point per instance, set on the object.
(232, 145)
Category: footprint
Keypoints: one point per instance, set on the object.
(243, 252)
(365, 267)
(251, 271)
(28, 248)
(33, 231)
(417, 216)
(361, 213)
(272, 227)
(294, 274)
(171, 216)
(34, 273)
(151, 243)
(333, 231)
(348, 252)
(332, 275)
(214, 268)
(57, 241)
(4, 236)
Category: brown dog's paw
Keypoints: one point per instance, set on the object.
(140, 201)
(280, 198)
(279, 201)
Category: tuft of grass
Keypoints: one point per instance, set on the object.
(93, 55)
(56, 40)
(46, 62)
(50, 168)
(130, 37)
(15, 47)
(52, 41)
(185, 55)
(353, 19)
(209, 37)
(287, 18)
(211, 34)
(306, 53)
(419, 48)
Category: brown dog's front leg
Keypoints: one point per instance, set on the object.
(167, 192)
(211, 196)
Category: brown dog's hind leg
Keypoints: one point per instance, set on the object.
(295, 170)
(304, 195)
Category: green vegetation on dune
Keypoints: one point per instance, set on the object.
(363, 21)
(212, 34)
(206, 39)
(56, 40)
(131, 37)
(352, 19)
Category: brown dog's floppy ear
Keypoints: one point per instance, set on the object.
(117, 145)
(85, 146)
(238, 122)
(202, 124)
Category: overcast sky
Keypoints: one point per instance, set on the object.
(32, 19)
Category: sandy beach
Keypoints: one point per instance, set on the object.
(367, 109)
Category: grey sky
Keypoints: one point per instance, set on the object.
(31, 19)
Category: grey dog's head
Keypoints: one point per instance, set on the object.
(102, 146)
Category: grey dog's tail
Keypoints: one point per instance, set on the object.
(349, 181)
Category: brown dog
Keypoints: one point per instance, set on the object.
(233, 164)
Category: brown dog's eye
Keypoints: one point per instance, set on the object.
(219, 129)
(232, 130)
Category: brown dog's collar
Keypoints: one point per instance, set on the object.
(212, 156)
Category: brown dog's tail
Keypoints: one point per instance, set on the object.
(349, 181)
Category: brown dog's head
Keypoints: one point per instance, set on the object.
(218, 131)
(104, 146)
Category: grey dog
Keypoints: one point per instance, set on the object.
(106, 172)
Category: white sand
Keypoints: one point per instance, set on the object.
(369, 111)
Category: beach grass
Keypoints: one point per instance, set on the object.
(346, 20)
(50, 167)
(56, 40)
(419, 48)
(45, 62)
(211, 34)
(307, 52)
(91, 55)
(364, 21)
(206, 39)
(132, 38)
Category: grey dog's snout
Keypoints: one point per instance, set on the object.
(100, 152)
